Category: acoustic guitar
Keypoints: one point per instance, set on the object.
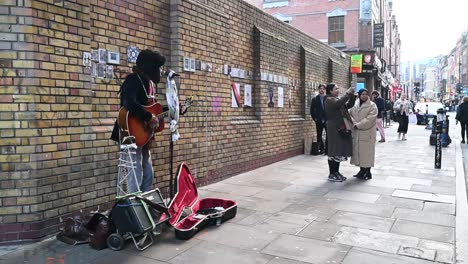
(137, 128)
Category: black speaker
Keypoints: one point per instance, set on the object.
(131, 215)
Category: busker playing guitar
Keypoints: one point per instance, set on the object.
(137, 90)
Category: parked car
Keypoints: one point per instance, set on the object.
(431, 107)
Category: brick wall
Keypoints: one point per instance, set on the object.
(55, 119)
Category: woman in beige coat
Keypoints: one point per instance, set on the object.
(364, 115)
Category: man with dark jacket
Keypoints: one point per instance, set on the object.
(137, 89)
(462, 117)
(317, 111)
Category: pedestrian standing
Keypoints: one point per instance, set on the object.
(402, 108)
(462, 117)
(338, 130)
(317, 111)
(364, 115)
(380, 103)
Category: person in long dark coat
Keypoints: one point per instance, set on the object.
(462, 117)
(339, 146)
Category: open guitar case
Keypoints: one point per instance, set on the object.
(189, 213)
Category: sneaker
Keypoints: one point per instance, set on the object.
(382, 140)
(341, 176)
(334, 178)
(463, 141)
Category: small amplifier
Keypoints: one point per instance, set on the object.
(132, 215)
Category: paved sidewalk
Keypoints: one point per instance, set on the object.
(289, 214)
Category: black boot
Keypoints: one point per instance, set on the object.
(367, 174)
(360, 173)
(334, 177)
(338, 171)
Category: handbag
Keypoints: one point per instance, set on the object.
(344, 132)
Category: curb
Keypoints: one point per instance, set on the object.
(461, 227)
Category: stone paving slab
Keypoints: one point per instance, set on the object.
(320, 231)
(213, 253)
(381, 241)
(369, 222)
(445, 251)
(431, 197)
(417, 252)
(238, 236)
(353, 196)
(365, 208)
(364, 256)
(426, 231)
(306, 250)
(434, 189)
(424, 217)
(439, 208)
(400, 202)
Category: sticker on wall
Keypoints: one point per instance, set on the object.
(87, 59)
(280, 97)
(192, 64)
(290, 97)
(93, 69)
(248, 95)
(113, 57)
(235, 95)
(102, 56)
(226, 69)
(271, 96)
(209, 67)
(110, 72)
(101, 71)
(95, 55)
(132, 54)
(187, 64)
(242, 74)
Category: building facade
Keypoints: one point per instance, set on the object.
(59, 97)
(349, 25)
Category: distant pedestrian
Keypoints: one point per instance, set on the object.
(462, 117)
(339, 127)
(317, 111)
(402, 108)
(364, 115)
(380, 103)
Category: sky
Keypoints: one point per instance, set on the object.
(429, 27)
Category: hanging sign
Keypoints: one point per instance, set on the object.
(356, 63)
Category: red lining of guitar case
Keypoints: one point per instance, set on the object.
(187, 196)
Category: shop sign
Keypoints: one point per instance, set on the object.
(356, 63)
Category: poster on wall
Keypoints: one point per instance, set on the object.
(271, 96)
(290, 96)
(248, 95)
(280, 97)
(102, 56)
(235, 94)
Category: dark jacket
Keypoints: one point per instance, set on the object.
(380, 103)
(133, 96)
(462, 113)
(337, 145)
(317, 111)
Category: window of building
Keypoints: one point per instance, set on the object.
(275, 3)
(336, 30)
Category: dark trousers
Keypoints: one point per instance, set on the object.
(320, 127)
(464, 129)
(403, 124)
